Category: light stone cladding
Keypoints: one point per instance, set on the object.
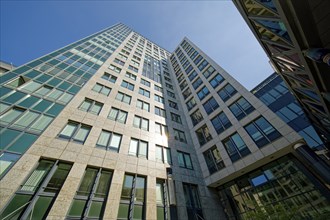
(258, 156)
(50, 146)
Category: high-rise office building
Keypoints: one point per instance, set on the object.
(115, 127)
(295, 36)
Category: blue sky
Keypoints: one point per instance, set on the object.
(30, 29)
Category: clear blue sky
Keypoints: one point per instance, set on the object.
(30, 29)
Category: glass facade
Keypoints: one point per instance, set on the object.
(34, 94)
(280, 189)
(274, 93)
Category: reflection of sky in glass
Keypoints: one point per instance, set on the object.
(259, 180)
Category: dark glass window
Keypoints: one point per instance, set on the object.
(241, 108)
(184, 160)
(36, 195)
(203, 135)
(220, 122)
(213, 159)
(203, 93)
(235, 147)
(217, 80)
(210, 105)
(196, 117)
(262, 132)
(226, 92)
(91, 197)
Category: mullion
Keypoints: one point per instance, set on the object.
(39, 191)
(91, 194)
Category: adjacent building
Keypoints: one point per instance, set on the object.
(290, 32)
(113, 126)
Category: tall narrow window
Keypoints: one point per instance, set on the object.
(35, 197)
(132, 202)
(91, 197)
(193, 205)
(213, 159)
(161, 200)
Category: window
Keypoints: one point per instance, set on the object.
(192, 76)
(170, 94)
(117, 115)
(133, 68)
(122, 63)
(7, 160)
(109, 140)
(183, 85)
(159, 99)
(132, 201)
(217, 80)
(203, 135)
(173, 104)
(127, 85)
(203, 93)
(203, 64)
(197, 83)
(179, 135)
(161, 129)
(176, 118)
(75, 131)
(135, 63)
(262, 132)
(36, 195)
(91, 197)
(123, 98)
(104, 90)
(186, 93)
(161, 200)
(122, 56)
(198, 59)
(144, 92)
(109, 77)
(213, 159)
(145, 82)
(92, 106)
(114, 68)
(191, 103)
(158, 88)
(196, 117)
(168, 85)
(160, 112)
(220, 122)
(241, 108)
(210, 105)
(163, 154)
(141, 123)
(226, 92)
(17, 82)
(193, 204)
(235, 147)
(208, 72)
(138, 148)
(143, 105)
(184, 160)
(130, 75)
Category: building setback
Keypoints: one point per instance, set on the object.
(115, 127)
